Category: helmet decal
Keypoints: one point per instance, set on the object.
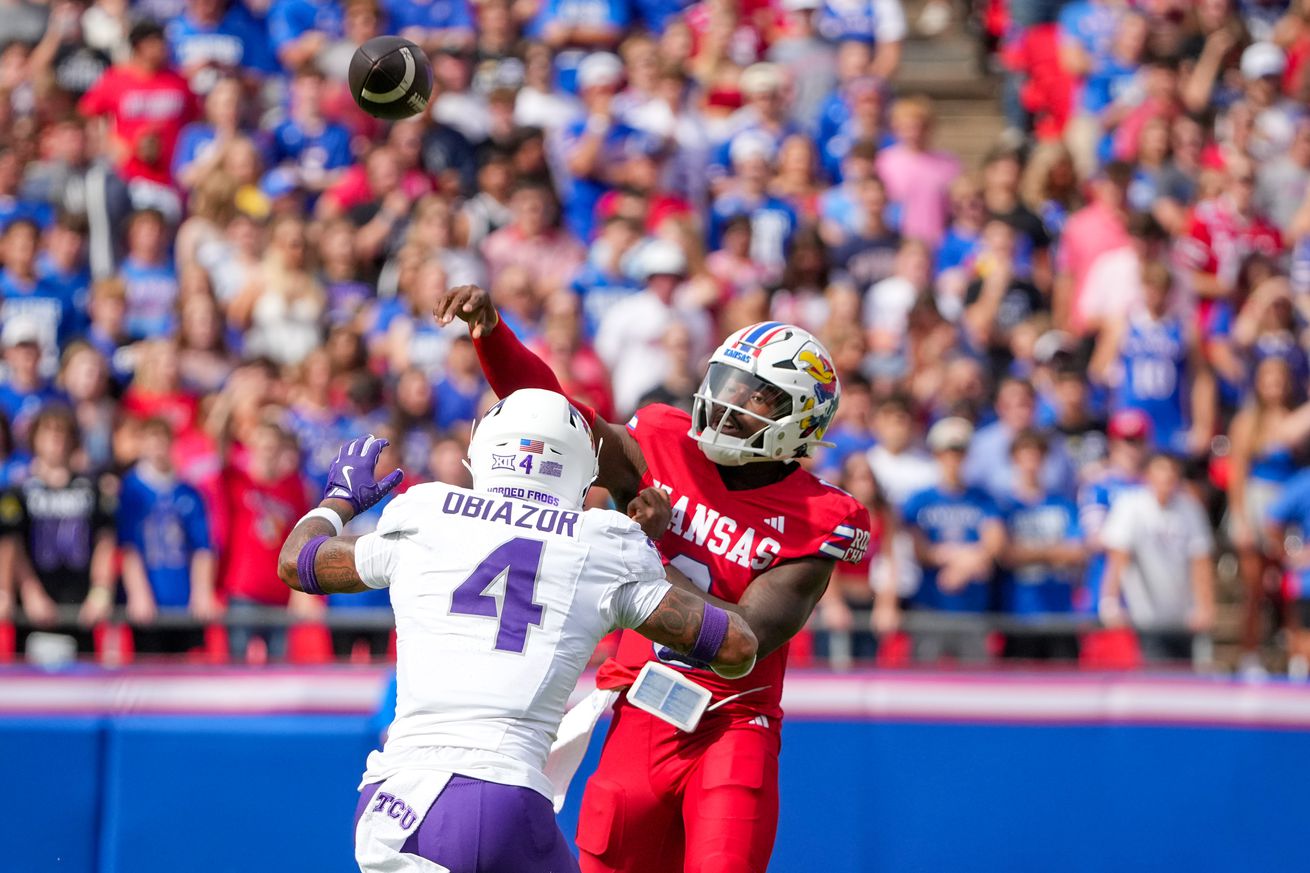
(811, 361)
(754, 339)
(535, 444)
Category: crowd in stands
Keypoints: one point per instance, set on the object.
(1071, 375)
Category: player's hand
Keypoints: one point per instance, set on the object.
(352, 477)
(651, 510)
(470, 304)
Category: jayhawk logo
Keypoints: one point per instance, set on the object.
(810, 360)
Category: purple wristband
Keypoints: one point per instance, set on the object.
(713, 628)
(305, 565)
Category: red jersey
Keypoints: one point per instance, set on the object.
(143, 105)
(258, 516)
(179, 408)
(1219, 240)
(722, 540)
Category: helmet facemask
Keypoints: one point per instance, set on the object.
(737, 416)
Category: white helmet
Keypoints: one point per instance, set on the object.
(535, 446)
(769, 395)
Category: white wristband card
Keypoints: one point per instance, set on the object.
(669, 696)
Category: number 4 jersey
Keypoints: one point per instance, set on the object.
(499, 604)
(723, 539)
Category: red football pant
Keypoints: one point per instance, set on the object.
(663, 800)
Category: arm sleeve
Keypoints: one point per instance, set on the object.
(375, 556)
(632, 602)
(509, 366)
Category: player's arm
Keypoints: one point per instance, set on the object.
(705, 632)
(779, 601)
(315, 558)
(333, 560)
(509, 366)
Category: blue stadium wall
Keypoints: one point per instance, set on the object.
(886, 792)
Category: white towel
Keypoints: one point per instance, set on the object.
(392, 816)
(570, 746)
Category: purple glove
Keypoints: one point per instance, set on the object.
(352, 479)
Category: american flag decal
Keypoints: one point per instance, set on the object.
(534, 446)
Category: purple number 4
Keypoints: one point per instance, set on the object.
(519, 560)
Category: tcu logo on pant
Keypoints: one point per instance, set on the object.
(396, 808)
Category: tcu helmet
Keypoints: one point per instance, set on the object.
(536, 446)
(769, 395)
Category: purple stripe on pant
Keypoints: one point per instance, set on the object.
(485, 827)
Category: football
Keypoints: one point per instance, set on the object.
(390, 78)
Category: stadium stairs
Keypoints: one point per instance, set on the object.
(949, 68)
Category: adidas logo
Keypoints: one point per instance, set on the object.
(776, 522)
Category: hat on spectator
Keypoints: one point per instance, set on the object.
(1263, 59)
(761, 78)
(1129, 424)
(20, 330)
(600, 69)
(950, 434)
(144, 30)
(660, 258)
(751, 144)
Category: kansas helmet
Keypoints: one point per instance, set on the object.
(769, 395)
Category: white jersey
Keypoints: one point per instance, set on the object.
(499, 604)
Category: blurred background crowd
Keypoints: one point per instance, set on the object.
(1073, 351)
